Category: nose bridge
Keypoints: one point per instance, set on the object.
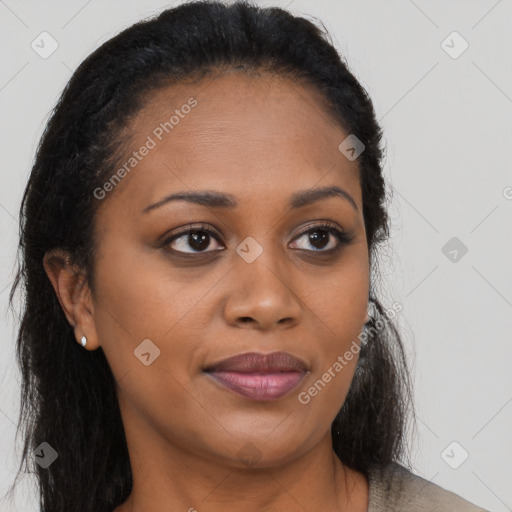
(260, 264)
(262, 292)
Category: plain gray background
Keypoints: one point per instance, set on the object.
(447, 119)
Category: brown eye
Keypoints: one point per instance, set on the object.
(191, 241)
(323, 238)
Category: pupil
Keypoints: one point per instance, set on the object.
(197, 240)
(314, 238)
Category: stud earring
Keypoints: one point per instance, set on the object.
(83, 341)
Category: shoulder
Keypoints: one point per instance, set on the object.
(394, 488)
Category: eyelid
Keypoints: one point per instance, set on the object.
(200, 226)
(318, 224)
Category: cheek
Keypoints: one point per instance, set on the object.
(325, 391)
(339, 301)
(339, 305)
(140, 298)
(143, 294)
(145, 324)
(337, 352)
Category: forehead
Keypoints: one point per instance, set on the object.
(249, 135)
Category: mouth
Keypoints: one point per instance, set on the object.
(259, 376)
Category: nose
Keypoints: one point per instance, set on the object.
(261, 296)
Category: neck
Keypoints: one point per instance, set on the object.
(166, 477)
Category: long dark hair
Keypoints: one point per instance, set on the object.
(68, 396)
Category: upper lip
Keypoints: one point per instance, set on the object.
(255, 362)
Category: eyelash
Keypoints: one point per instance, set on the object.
(344, 238)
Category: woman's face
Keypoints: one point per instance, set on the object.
(264, 280)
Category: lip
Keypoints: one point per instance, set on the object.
(259, 376)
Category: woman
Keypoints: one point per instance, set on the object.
(199, 247)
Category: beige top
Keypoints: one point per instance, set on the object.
(396, 489)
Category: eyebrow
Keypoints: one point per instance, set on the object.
(214, 199)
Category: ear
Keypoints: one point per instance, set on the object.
(73, 293)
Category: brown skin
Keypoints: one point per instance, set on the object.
(260, 139)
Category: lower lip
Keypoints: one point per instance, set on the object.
(259, 386)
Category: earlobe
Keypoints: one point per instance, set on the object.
(73, 294)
